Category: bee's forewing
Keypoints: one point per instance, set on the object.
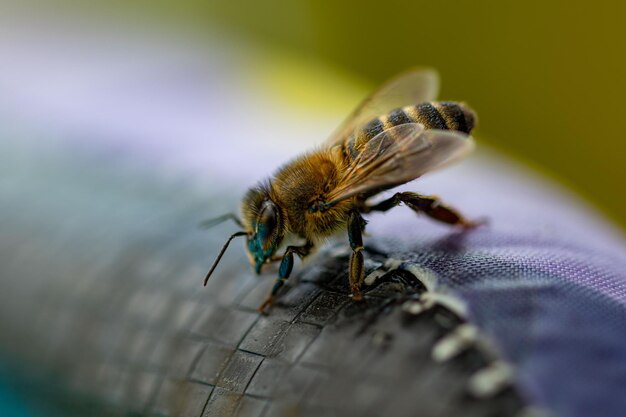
(399, 155)
(446, 148)
(411, 87)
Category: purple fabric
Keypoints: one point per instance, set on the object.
(544, 279)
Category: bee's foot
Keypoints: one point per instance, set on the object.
(267, 305)
(473, 224)
(356, 295)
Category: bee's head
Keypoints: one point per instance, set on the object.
(264, 223)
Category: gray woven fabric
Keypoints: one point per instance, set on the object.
(102, 266)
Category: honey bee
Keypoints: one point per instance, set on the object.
(395, 135)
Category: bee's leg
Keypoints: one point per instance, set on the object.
(356, 225)
(284, 270)
(429, 205)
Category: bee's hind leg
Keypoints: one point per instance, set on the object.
(429, 205)
(356, 225)
(284, 270)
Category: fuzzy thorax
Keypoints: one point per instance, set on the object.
(300, 189)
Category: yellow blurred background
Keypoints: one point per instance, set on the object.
(546, 78)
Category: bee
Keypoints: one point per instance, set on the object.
(394, 136)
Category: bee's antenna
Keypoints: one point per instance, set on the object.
(206, 224)
(217, 260)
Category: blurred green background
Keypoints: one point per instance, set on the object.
(546, 78)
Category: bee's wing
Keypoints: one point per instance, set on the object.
(399, 155)
(411, 87)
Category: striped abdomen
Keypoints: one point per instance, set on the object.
(446, 115)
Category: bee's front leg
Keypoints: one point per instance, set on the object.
(284, 270)
(356, 225)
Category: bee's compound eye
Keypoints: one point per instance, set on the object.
(268, 225)
(268, 217)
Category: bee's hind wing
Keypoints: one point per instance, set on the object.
(414, 86)
(398, 155)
